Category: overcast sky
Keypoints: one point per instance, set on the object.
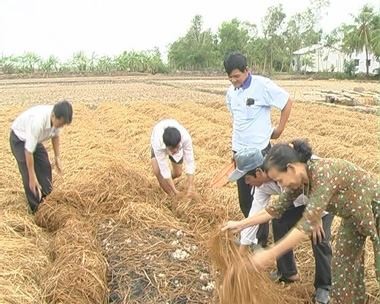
(108, 27)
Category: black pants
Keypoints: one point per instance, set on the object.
(286, 264)
(42, 168)
(245, 193)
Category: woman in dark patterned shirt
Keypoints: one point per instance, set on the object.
(332, 185)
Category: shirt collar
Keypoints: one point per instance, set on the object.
(246, 83)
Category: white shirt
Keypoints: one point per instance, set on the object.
(34, 126)
(252, 126)
(261, 199)
(161, 152)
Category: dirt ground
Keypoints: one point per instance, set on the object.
(113, 118)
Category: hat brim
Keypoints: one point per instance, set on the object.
(236, 175)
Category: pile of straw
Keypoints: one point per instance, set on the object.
(77, 273)
(22, 259)
(78, 270)
(53, 215)
(238, 280)
(115, 236)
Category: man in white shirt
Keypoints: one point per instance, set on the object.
(171, 140)
(28, 131)
(250, 167)
(250, 99)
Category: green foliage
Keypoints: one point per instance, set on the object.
(196, 50)
(235, 36)
(50, 65)
(350, 67)
(307, 61)
(375, 37)
(269, 49)
(145, 62)
(363, 34)
(80, 62)
(29, 62)
(105, 64)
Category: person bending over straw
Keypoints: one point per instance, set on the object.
(171, 139)
(337, 186)
(249, 163)
(28, 131)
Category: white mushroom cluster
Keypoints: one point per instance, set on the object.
(180, 255)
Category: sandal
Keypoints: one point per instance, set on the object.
(275, 276)
(321, 296)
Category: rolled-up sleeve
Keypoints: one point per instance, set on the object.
(162, 161)
(260, 200)
(188, 154)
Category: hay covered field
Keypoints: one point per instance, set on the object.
(107, 233)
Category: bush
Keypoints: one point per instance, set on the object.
(350, 67)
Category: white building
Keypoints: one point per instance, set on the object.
(359, 59)
(319, 58)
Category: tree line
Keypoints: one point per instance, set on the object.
(269, 48)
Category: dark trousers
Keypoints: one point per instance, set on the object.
(42, 168)
(286, 264)
(245, 193)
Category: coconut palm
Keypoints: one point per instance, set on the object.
(361, 35)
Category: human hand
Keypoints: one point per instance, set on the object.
(234, 226)
(276, 133)
(35, 187)
(262, 259)
(58, 165)
(318, 234)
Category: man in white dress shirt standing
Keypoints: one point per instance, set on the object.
(28, 131)
(171, 140)
(250, 100)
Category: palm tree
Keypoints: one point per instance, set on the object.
(376, 36)
(359, 36)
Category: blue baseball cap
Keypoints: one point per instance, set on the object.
(246, 160)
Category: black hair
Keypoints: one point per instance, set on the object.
(171, 137)
(63, 109)
(280, 155)
(235, 60)
(253, 171)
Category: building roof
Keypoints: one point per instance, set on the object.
(308, 49)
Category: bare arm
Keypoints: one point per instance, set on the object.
(190, 183)
(33, 182)
(265, 258)
(259, 218)
(285, 113)
(171, 186)
(294, 237)
(55, 143)
(56, 149)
